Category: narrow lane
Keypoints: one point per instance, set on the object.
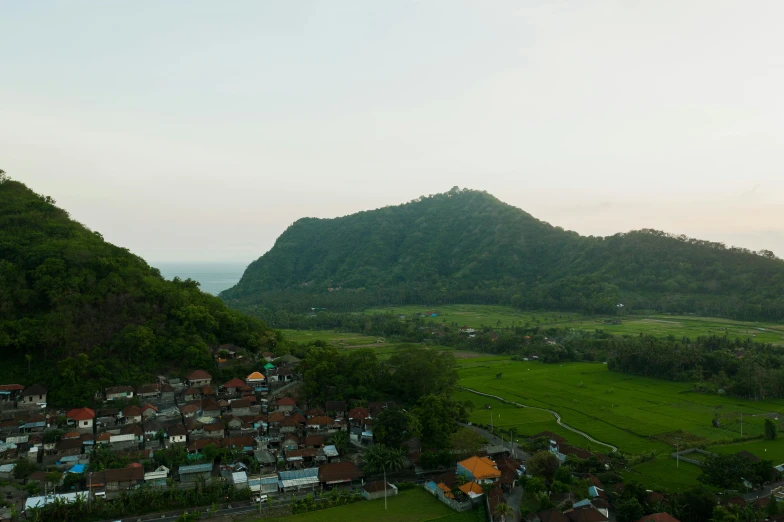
(553, 413)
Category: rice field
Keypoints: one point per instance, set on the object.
(636, 414)
(496, 316)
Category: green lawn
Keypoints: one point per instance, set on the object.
(415, 505)
(664, 474)
(636, 414)
(660, 325)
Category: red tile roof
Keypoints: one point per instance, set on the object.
(198, 375)
(286, 401)
(234, 383)
(80, 414)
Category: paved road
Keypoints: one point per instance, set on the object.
(553, 413)
(515, 448)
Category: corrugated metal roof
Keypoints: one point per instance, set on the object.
(239, 477)
(7, 468)
(195, 468)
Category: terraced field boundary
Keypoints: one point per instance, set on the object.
(552, 412)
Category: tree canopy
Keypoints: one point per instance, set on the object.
(78, 313)
(466, 246)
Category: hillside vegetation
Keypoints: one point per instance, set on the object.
(466, 246)
(78, 313)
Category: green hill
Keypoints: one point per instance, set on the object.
(78, 313)
(466, 246)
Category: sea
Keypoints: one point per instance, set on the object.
(213, 278)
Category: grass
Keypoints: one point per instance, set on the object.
(659, 324)
(636, 414)
(414, 505)
(765, 449)
(664, 474)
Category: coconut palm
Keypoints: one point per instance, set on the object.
(502, 510)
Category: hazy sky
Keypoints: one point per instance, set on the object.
(200, 130)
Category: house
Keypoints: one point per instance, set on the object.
(314, 412)
(290, 360)
(157, 477)
(214, 430)
(33, 397)
(151, 429)
(198, 378)
(585, 514)
(549, 515)
(132, 414)
(312, 441)
(256, 379)
(135, 430)
(166, 392)
(290, 425)
(264, 484)
(284, 375)
(69, 447)
(240, 407)
(268, 356)
(177, 434)
(208, 392)
(210, 408)
(378, 489)
(302, 478)
(479, 469)
(191, 394)
(118, 479)
(472, 490)
(286, 404)
(195, 472)
(148, 391)
(190, 410)
(149, 411)
(357, 416)
(118, 392)
(82, 418)
(233, 386)
(10, 392)
(338, 473)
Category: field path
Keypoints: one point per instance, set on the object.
(553, 413)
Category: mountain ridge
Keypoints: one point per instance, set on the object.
(468, 246)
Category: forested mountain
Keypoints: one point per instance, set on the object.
(466, 246)
(78, 313)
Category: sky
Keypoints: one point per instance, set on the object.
(200, 130)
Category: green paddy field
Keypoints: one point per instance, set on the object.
(660, 325)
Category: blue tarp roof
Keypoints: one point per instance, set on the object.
(431, 486)
(77, 468)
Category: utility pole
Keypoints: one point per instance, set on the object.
(89, 488)
(677, 455)
(259, 489)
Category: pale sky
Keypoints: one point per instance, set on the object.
(198, 131)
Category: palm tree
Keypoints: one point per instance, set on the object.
(380, 457)
(502, 509)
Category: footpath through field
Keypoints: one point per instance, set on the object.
(553, 413)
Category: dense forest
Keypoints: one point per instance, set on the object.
(78, 313)
(466, 246)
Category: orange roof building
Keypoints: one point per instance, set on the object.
(255, 378)
(472, 489)
(479, 469)
(447, 492)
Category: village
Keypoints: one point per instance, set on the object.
(254, 435)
